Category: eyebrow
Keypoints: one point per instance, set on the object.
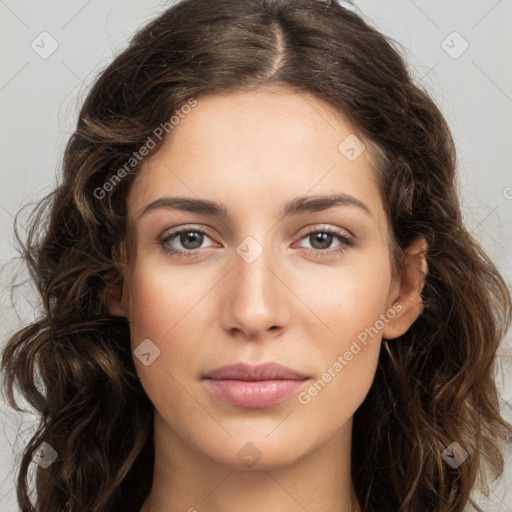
(300, 205)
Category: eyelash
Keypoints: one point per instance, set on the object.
(346, 242)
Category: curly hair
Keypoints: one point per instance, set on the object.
(433, 386)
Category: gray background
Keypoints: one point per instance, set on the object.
(40, 97)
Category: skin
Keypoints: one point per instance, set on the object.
(254, 152)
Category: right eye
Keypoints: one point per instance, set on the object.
(190, 238)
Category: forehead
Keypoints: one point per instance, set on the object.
(258, 148)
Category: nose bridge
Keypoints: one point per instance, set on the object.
(256, 300)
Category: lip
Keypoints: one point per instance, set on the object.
(254, 387)
(247, 372)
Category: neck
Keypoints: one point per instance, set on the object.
(188, 480)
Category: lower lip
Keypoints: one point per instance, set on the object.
(253, 394)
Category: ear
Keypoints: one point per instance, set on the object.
(409, 303)
(114, 292)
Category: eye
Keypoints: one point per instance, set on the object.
(322, 239)
(189, 238)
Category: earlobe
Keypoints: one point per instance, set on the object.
(411, 285)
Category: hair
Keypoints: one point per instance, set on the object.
(433, 386)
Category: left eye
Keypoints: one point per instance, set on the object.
(325, 237)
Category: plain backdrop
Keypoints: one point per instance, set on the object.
(52, 51)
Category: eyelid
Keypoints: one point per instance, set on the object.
(328, 228)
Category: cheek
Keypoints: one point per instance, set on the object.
(349, 299)
(170, 309)
(347, 342)
(160, 301)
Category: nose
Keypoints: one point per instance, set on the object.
(256, 302)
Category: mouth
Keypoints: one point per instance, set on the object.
(253, 387)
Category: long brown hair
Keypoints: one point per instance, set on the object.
(434, 385)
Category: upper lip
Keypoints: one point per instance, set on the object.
(244, 371)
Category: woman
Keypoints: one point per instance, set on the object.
(258, 290)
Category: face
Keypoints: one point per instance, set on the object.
(275, 276)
